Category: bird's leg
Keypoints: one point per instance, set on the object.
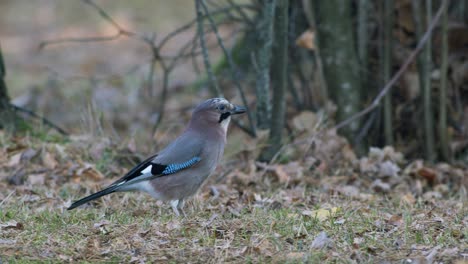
(175, 206)
(180, 206)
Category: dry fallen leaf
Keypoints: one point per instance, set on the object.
(388, 169)
(395, 220)
(357, 241)
(37, 179)
(322, 214)
(88, 172)
(28, 154)
(428, 174)
(408, 198)
(101, 223)
(321, 241)
(49, 161)
(12, 225)
(305, 121)
(283, 177)
(380, 186)
(431, 254)
(14, 160)
(306, 40)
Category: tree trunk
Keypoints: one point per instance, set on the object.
(443, 135)
(6, 113)
(279, 79)
(340, 61)
(387, 69)
(262, 58)
(424, 68)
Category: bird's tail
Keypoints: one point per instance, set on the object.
(93, 196)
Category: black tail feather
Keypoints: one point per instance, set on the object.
(93, 196)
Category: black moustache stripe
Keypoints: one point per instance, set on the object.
(223, 116)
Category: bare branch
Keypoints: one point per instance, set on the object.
(167, 62)
(194, 21)
(106, 17)
(46, 43)
(206, 58)
(120, 30)
(43, 119)
(232, 66)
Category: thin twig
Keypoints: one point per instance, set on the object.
(120, 30)
(107, 17)
(43, 119)
(206, 58)
(232, 67)
(7, 197)
(187, 26)
(242, 13)
(166, 62)
(46, 43)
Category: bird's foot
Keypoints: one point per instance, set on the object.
(177, 207)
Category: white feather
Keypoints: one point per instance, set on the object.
(225, 123)
(147, 170)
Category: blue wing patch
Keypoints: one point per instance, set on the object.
(175, 167)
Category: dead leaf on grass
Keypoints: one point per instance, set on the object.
(12, 225)
(295, 255)
(28, 154)
(395, 220)
(322, 241)
(306, 121)
(357, 241)
(174, 224)
(431, 254)
(408, 199)
(265, 247)
(380, 186)
(388, 169)
(14, 160)
(322, 214)
(7, 241)
(283, 177)
(427, 173)
(36, 179)
(450, 252)
(101, 223)
(49, 161)
(88, 172)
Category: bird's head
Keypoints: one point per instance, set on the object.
(216, 111)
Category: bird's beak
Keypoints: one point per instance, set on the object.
(238, 110)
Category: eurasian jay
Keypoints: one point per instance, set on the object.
(179, 170)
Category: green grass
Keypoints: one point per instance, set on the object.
(360, 231)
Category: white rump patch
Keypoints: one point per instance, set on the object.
(147, 170)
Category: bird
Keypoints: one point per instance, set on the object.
(179, 170)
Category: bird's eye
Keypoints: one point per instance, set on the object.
(221, 107)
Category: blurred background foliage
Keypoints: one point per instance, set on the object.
(132, 69)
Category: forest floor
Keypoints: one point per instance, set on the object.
(317, 203)
(283, 213)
